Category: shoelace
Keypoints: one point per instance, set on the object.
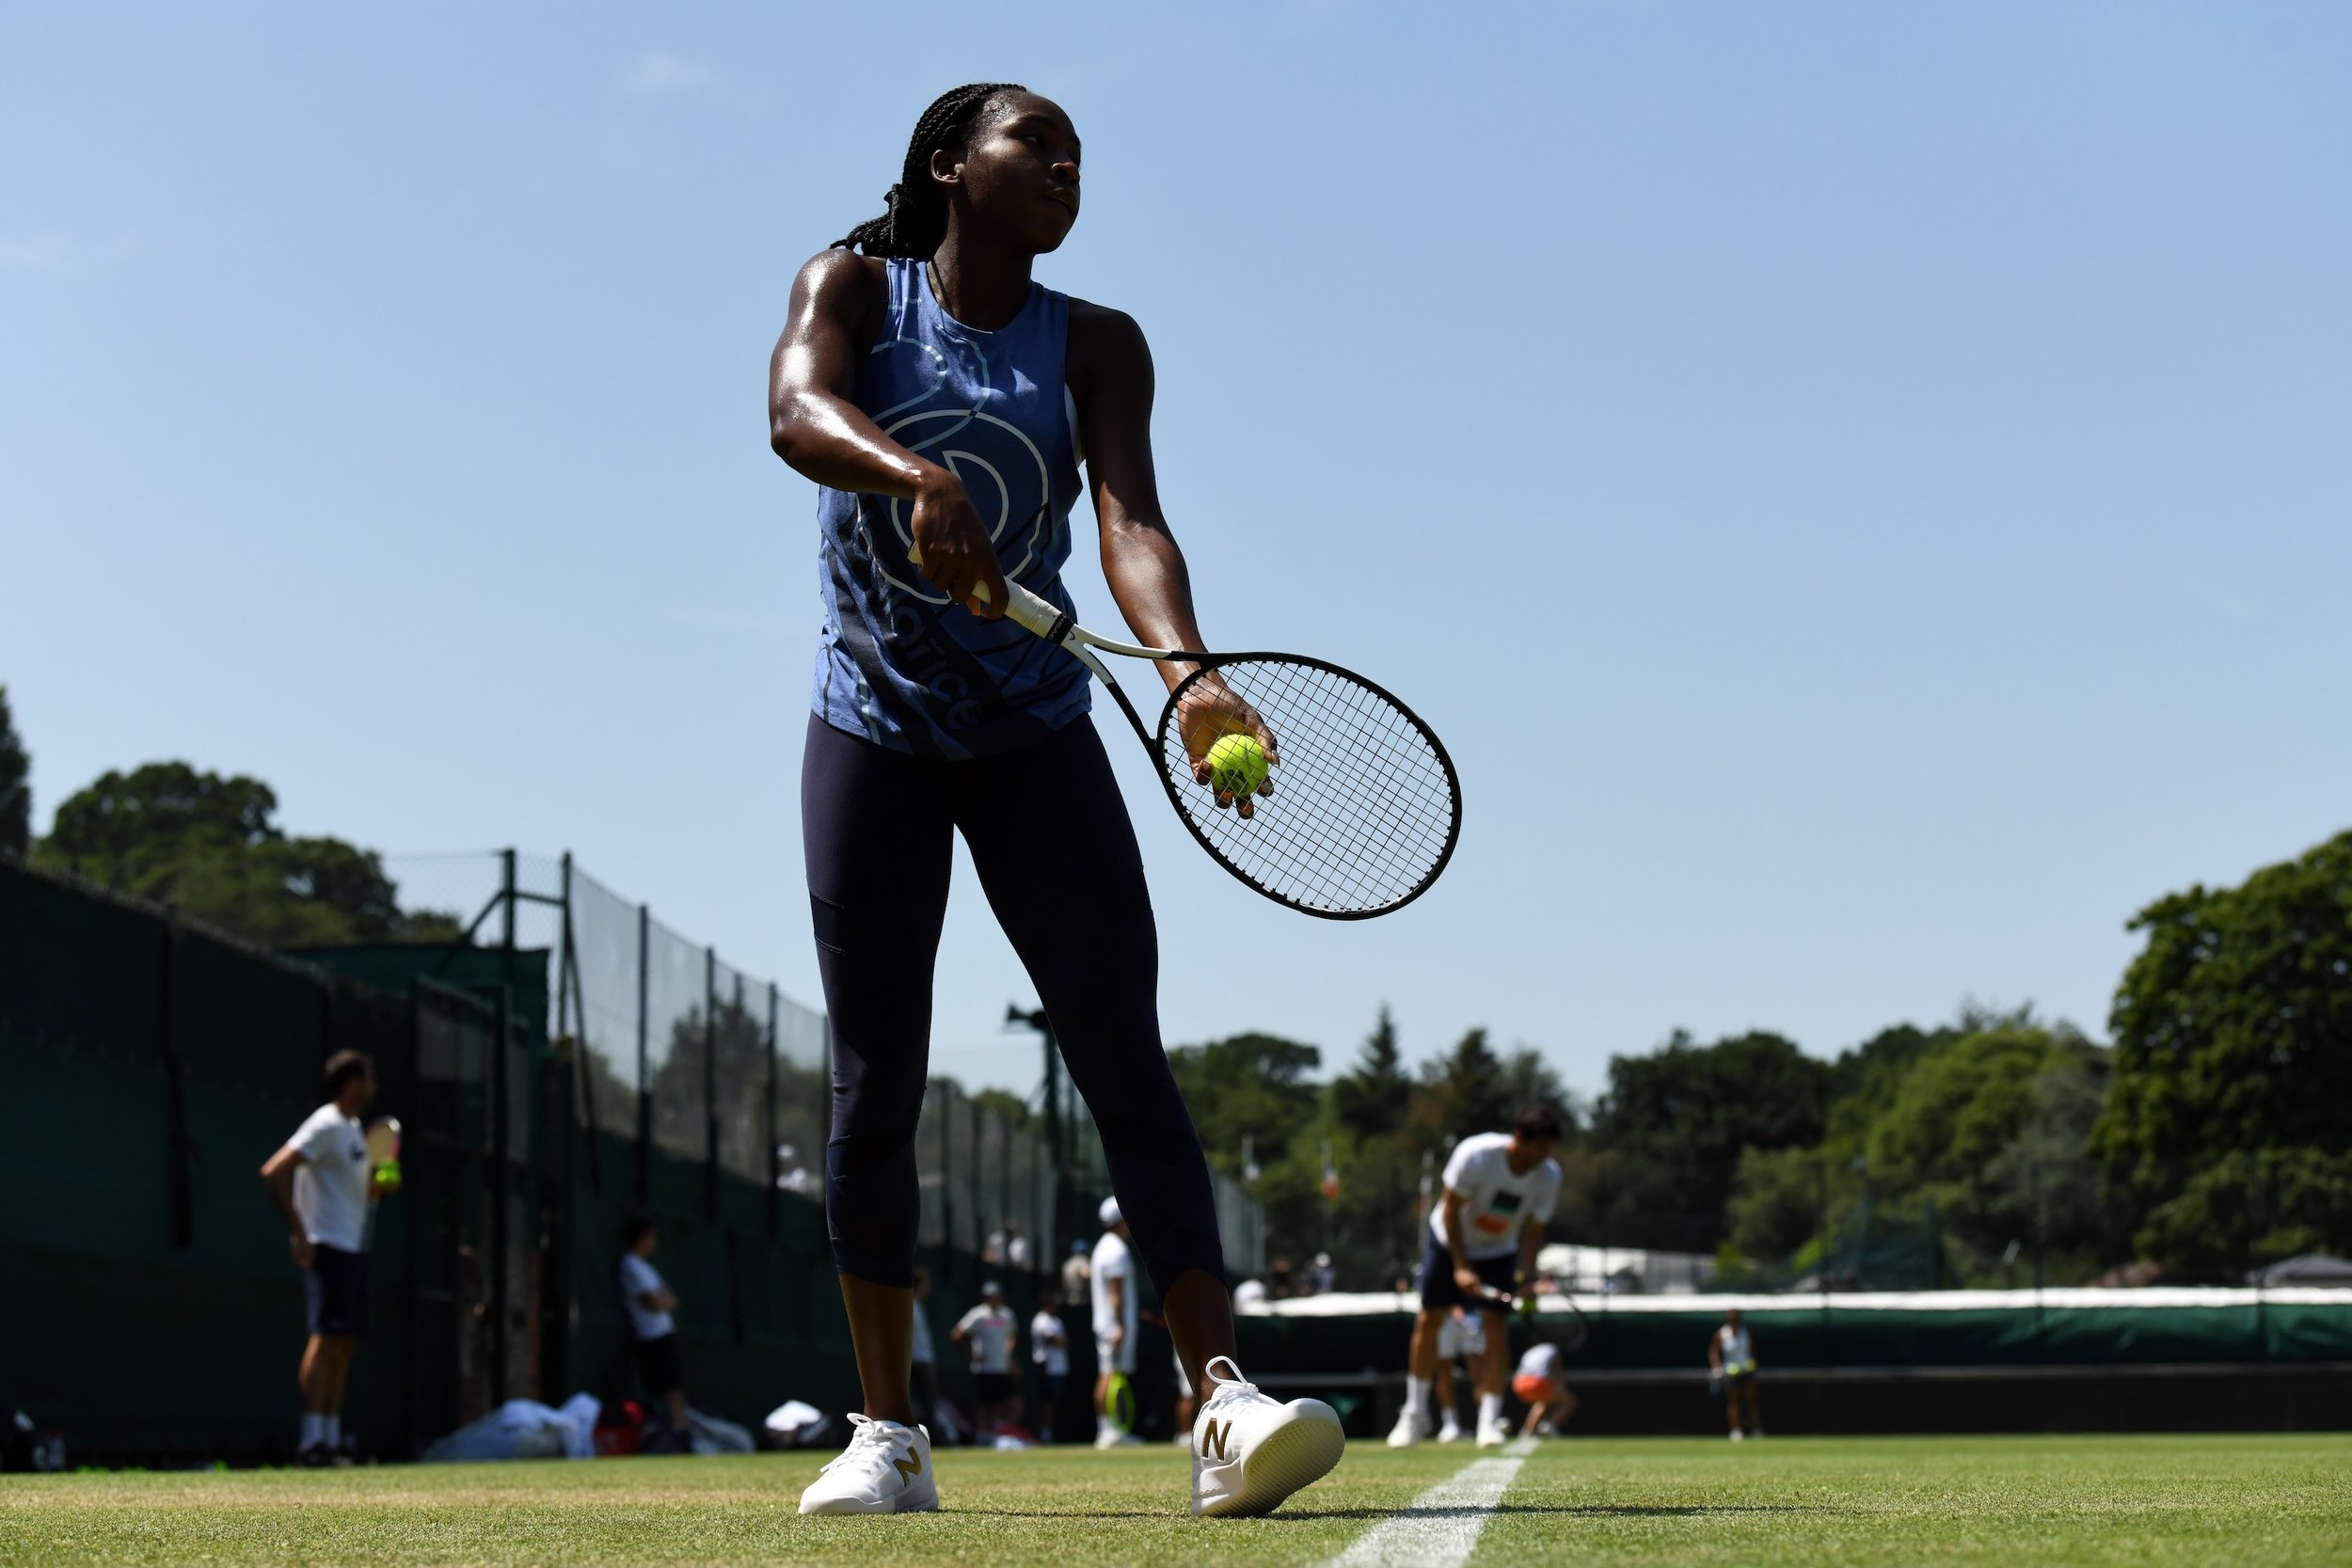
(1230, 1384)
(866, 1436)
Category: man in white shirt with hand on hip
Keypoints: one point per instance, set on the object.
(320, 1181)
(1500, 1191)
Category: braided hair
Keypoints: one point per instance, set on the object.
(916, 219)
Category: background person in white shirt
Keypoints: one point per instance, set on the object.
(649, 1302)
(989, 1333)
(1461, 1339)
(1049, 1347)
(1731, 1360)
(320, 1181)
(1500, 1191)
(1111, 1273)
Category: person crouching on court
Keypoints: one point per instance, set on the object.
(320, 1183)
(1541, 1384)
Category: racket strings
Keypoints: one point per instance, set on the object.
(1364, 806)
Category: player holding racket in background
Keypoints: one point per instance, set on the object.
(943, 400)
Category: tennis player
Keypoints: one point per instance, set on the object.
(320, 1183)
(944, 401)
(1731, 1365)
(1500, 1191)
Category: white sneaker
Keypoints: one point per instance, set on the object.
(1451, 1431)
(1250, 1452)
(885, 1469)
(1737, 1434)
(1411, 1427)
(1492, 1434)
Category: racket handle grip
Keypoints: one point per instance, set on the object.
(1024, 608)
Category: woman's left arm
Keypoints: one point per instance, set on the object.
(1109, 369)
(1110, 381)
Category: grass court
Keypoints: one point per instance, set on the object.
(1919, 1502)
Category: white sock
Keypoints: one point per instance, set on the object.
(1417, 1394)
(1490, 1409)
(331, 1430)
(1103, 1426)
(312, 1425)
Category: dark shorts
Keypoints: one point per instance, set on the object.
(994, 1387)
(335, 1290)
(659, 1364)
(1438, 1290)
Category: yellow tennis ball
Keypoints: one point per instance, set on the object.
(1238, 765)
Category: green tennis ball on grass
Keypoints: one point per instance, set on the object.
(1238, 765)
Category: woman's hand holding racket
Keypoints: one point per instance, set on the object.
(952, 546)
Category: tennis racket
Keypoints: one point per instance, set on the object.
(1360, 808)
(1570, 1336)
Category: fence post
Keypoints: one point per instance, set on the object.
(710, 1082)
(947, 1177)
(645, 1072)
(176, 1086)
(501, 1150)
(768, 1126)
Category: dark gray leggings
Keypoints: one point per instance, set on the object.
(1056, 855)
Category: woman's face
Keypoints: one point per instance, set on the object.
(1020, 177)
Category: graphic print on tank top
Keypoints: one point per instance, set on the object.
(898, 663)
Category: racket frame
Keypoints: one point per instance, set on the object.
(1038, 615)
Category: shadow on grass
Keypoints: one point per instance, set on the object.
(1599, 1510)
(1592, 1510)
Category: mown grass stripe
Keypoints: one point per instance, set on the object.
(1440, 1529)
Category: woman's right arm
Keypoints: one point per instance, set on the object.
(816, 428)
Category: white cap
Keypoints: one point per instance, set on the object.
(1108, 1213)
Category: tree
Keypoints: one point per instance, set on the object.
(1373, 1099)
(1679, 1120)
(16, 786)
(1008, 1107)
(1467, 1090)
(1775, 1203)
(1253, 1086)
(172, 834)
(1972, 1124)
(2234, 1067)
(2044, 1189)
(1527, 1079)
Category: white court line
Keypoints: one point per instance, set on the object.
(1440, 1527)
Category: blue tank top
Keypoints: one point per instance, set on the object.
(898, 663)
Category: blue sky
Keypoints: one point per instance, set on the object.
(1863, 490)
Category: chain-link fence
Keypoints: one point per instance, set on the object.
(677, 1051)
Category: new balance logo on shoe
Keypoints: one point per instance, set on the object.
(908, 1467)
(1215, 1438)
